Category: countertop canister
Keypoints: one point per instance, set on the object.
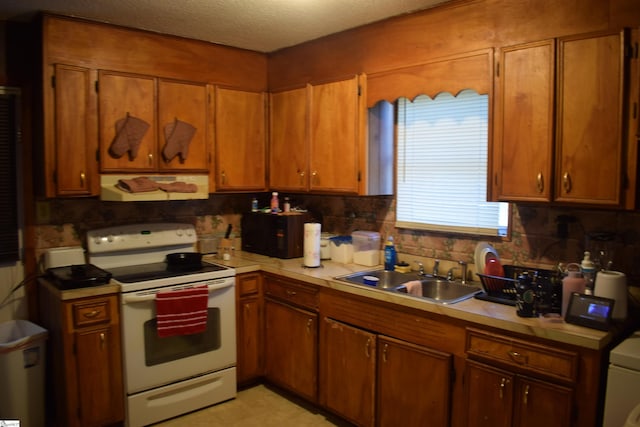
(613, 284)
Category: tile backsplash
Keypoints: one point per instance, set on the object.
(533, 242)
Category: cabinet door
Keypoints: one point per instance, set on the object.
(187, 104)
(100, 389)
(76, 141)
(123, 95)
(414, 385)
(590, 111)
(347, 372)
(291, 348)
(523, 155)
(250, 323)
(334, 133)
(249, 340)
(539, 403)
(288, 147)
(489, 396)
(240, 140)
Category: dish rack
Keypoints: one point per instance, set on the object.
(503, 289)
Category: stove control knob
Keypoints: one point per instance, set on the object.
(97, 240)
(110, 238)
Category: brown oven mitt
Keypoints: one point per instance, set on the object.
(178, 135)
(129, 134)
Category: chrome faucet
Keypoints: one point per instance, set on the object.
(420, 268)
(436, 265)
(450, 274)
(463, 272)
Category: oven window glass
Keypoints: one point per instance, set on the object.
(162, 350)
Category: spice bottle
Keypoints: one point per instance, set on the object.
(287, 205)
(275, 203)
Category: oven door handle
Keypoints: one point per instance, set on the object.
(128, 299)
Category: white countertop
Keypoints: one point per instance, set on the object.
(472, 310)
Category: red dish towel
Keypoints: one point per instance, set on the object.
(182, 312)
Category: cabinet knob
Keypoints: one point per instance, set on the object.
(525, 397)
(540, 182)
(150, 157)
(82, 179)
(566, 182)
(223, 177)
(384, 353)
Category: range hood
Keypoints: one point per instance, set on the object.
(111, 191)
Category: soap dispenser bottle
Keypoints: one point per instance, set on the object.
(588, 269)
(390, 254)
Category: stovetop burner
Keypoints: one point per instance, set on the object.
(159, 270)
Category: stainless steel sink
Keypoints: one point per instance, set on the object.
(434, 289)
(386, 279)
(440, 290)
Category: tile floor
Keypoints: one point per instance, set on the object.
(260, 405)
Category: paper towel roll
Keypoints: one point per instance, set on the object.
(311, 244)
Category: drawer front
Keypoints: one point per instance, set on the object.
(248, 284)
(533, 358)
(295, 293)
(91, 312)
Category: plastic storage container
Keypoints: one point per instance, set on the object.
(22, 364)
(366, 248)
(341, 249)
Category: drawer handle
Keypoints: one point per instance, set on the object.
(518, 357)
(309, 324)
(291, 293)
(525, 399)
(102, 340)
(367, 351)
(384, 353)
(91, 314)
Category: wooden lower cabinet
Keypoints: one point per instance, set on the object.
(414, 385)
(291, 350)
(85, 364)
(497, 397)
(348, 372)
(250, 321)
(291, 335)
(372, 379)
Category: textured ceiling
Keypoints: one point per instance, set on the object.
(260, 25)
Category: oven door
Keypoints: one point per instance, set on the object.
(151, 361)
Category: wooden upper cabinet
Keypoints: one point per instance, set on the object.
(524, 122)
(71, 142)
(130, 100)
(565, 141)
(334, 136)
(288, 149)
(591, 77)
(183, 109)
(176, 139)
(240, 127)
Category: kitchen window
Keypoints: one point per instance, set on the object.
(441, 174)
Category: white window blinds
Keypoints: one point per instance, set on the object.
(442, 166)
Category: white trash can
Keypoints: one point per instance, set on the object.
(22, 369)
